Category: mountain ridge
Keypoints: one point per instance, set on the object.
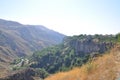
(19, 40)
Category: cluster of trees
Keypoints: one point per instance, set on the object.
(55, 60)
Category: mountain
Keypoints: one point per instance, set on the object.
(74, 51)
(17, 40)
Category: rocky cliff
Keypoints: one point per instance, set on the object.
(86, 44)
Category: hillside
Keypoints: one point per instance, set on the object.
(74, 51)
(91, 54)
(105, 67)
(17, 40)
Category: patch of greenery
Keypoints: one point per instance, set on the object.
(42, 73)
(16, 61)
(118, 37)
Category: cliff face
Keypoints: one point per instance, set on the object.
(88, 44)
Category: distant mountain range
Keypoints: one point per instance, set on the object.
(17, 40)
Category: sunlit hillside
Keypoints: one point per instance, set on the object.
(104, 67)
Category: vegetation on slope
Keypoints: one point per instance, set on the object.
(83, 50)
(74, 51)
(105, 67)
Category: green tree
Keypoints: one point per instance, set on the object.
(42, 73)
(118, 37)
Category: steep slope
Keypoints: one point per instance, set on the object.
(74, 51)
(105, 67)
(19, 40)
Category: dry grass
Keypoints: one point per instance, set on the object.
(102, 68)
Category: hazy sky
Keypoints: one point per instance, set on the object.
(70, 17)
